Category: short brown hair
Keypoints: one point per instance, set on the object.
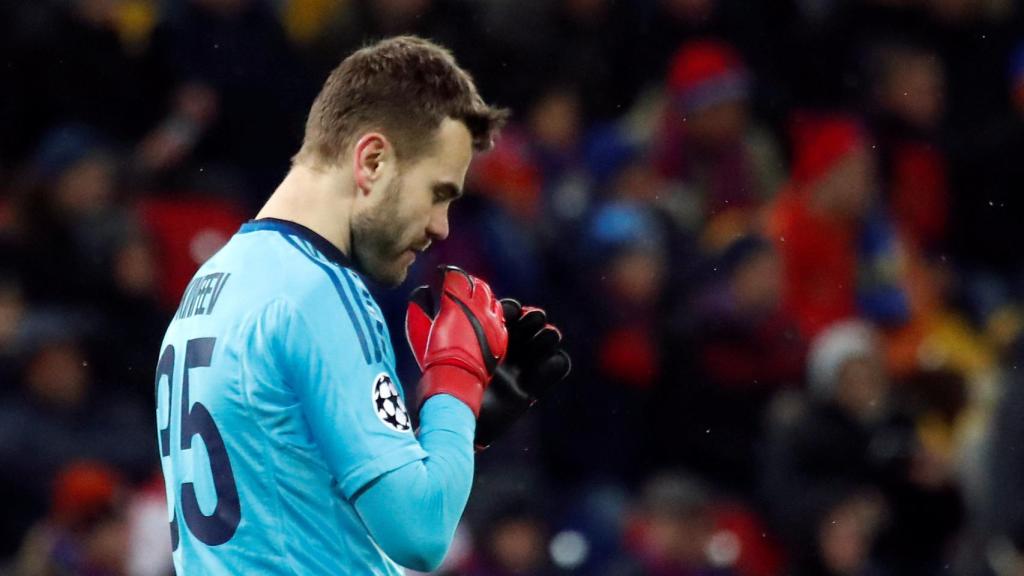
(403, 87)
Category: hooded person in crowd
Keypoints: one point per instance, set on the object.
(840, 255)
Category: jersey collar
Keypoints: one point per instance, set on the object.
(323, 245)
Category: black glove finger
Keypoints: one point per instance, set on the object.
(529, 323)
(521, 328)
(531, 338)
(424, 298)
(543, 343)
(556, 367)
(512, 310)
(544, 375)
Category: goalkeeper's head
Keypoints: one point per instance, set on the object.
(395, 126)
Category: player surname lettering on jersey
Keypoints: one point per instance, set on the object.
(201, 295)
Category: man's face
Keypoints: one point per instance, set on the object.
(718, 126)
(863, 387)
(757, 283)
(849, 186)
(411, 206)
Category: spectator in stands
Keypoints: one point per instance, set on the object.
(12, 316)
(534, 162)
(671, 532)
(1006, 479)
(851, 450)
(820, 456)
(71, 217)
(747, 349)
(747, 341)
(60, 417)
(846, 527)
(132, 320)
(839, 252)
(723, 166)
(950, 365)
(86, 530)
(239, 84)
(908, 101)
(624, 254)
(513, 542)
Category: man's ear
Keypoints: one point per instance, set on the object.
(371, 152)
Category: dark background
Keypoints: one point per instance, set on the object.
(782, 239)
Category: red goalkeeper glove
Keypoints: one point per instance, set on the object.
(457, 333)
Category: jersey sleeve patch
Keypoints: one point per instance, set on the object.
(388, 404)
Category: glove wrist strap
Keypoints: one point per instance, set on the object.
(453, 380)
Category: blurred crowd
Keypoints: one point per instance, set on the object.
(778, 237)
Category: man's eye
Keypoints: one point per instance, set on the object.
(445, 193)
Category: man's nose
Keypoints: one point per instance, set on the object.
(437, 228)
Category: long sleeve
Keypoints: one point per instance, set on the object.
(412, 512)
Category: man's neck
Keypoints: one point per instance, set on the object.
(316, 199)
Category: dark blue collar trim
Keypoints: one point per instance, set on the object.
(288, 227)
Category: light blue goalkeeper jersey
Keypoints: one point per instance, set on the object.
(277, 404)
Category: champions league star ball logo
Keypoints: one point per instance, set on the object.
(390, 407)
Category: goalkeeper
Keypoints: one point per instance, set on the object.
(285, 443)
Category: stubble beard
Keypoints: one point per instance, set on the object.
(377, 244)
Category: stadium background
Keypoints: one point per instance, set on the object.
(783, 239)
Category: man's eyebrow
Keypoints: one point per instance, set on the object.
(448, 190)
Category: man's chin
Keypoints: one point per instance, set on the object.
(388, 273)
(396, 280)
(392, 277)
